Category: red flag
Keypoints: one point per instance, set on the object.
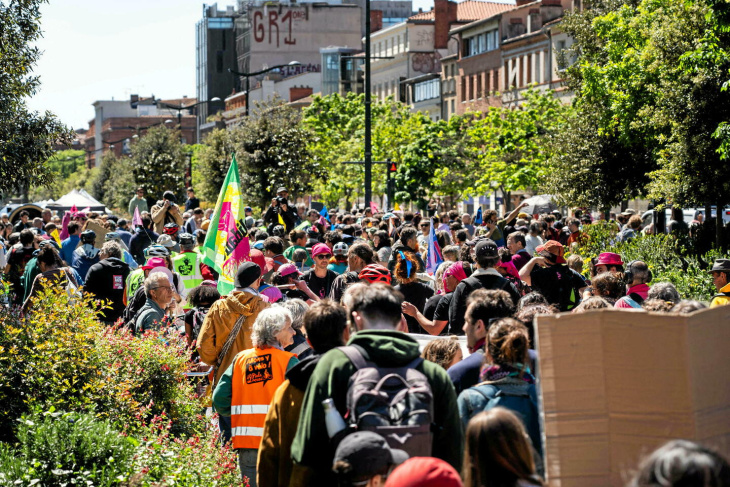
(373, 207)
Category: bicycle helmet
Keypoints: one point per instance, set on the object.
(279, 231)
(171, 228)
(375, 273)
(186, 239)
(340, 248)
(156, 251)
(88, 237)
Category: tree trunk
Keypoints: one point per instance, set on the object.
(624, 205)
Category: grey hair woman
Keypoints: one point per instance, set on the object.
(272, 328)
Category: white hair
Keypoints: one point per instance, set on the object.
(297, 308)
(155, 280)
(268, 324)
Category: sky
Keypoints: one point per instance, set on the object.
(102, 50)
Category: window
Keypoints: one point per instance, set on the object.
(488, 41)
(427, 90)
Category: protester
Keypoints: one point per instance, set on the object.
(445, 352)
(414, 293)
(52, 272)
(159, 292)
(680, 463)
(338, 263)
(245, 390)
(17, 260)
(281, 212)
(138, 202)
(189, 264)
(408, 243)
(548, 274)
(485, 277)
(720, 272)
(664, 291)
(320, 279)
(299, 346)
(69, 244)
(192, 202)
(506, 379)
(359, 255)
(608, 286)
(637, 276)
(227, 326)
(86, 254)
(200, 299)
(424, 472)
(374, 310)
(105, 281)
(143, 237)
(165, 211)
(325, 324)
(498, 452)
(365, 459)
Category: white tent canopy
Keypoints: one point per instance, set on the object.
(78, 197)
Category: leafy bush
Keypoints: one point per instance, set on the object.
(670, 259)
(66, 448)
(48, 358)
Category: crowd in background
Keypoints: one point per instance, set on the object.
(331, 299)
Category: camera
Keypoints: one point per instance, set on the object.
(280, 200)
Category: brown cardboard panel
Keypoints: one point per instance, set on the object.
(100, 233)
(615, 385)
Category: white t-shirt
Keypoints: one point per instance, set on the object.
(531, 243)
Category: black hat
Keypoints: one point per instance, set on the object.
(168, 195)
(246, 275)
(367, 453)
(721, 265)
(486, 248)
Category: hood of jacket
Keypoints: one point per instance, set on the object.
(388, 348)
(241, 303)
(299, 374)
(87, 251)
(114, 264)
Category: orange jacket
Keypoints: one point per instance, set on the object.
(257, 373)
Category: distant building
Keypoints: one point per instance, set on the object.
(215, 45)
(340, 70)
(116, 123)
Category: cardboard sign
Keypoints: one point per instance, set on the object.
(100, 232)
(615, 385)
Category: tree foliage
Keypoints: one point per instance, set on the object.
(648, 85)
(26, 137)
(510, 145)
(114, 182)
(158, 163)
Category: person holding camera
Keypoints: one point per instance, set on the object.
(166, 211)
(280, 207)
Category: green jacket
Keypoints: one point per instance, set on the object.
(311, 446)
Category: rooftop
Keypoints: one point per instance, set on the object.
(469, 11)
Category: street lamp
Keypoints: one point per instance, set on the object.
(258, 73)
(368, 113)
(180, 108)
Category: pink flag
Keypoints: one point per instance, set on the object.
(64, 225)
(73, 210)
(136, 219)
(373, 207)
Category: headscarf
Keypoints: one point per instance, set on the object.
(510, 268)
(456, 270)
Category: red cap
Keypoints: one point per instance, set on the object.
(554, 247)
(424, 472)
(609, 259)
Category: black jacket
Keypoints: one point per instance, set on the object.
(478, 280)
(271, 217)
(105, 280)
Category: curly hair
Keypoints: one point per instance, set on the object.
(441, 351)
(401, 267)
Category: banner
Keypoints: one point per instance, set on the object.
(434, 258)
(226, 244)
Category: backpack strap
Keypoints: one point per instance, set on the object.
(301, 348)
(636, 298)
(355, 355)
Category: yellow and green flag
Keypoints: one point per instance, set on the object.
(226, 244)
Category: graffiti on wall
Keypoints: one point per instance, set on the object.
(426, 62)
(276, 26)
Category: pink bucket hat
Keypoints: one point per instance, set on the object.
(320, 248)
(608, 259)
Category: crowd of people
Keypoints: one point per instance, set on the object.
(316, 375)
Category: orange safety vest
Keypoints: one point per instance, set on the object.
(257, 373)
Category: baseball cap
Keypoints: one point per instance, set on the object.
(553, 247)
(246, 275)
(486, 248)
(424, 472)
(367, 453)
(155, 262)
(281, 189)
(288, 269)
(257, 257)
(320, 248)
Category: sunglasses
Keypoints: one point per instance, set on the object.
(323, 256)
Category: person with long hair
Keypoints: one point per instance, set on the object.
(415, 292)
(507, 380)
(498, 453)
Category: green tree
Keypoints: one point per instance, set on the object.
(510, 145)
(213, 161)
(648, 83)
(271, 150)
(63, 164)
(26, 137)
(114, 182)
(158, 163)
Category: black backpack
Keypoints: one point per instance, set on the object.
(131, 312)
(396, 403)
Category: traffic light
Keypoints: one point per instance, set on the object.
(392, 167)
